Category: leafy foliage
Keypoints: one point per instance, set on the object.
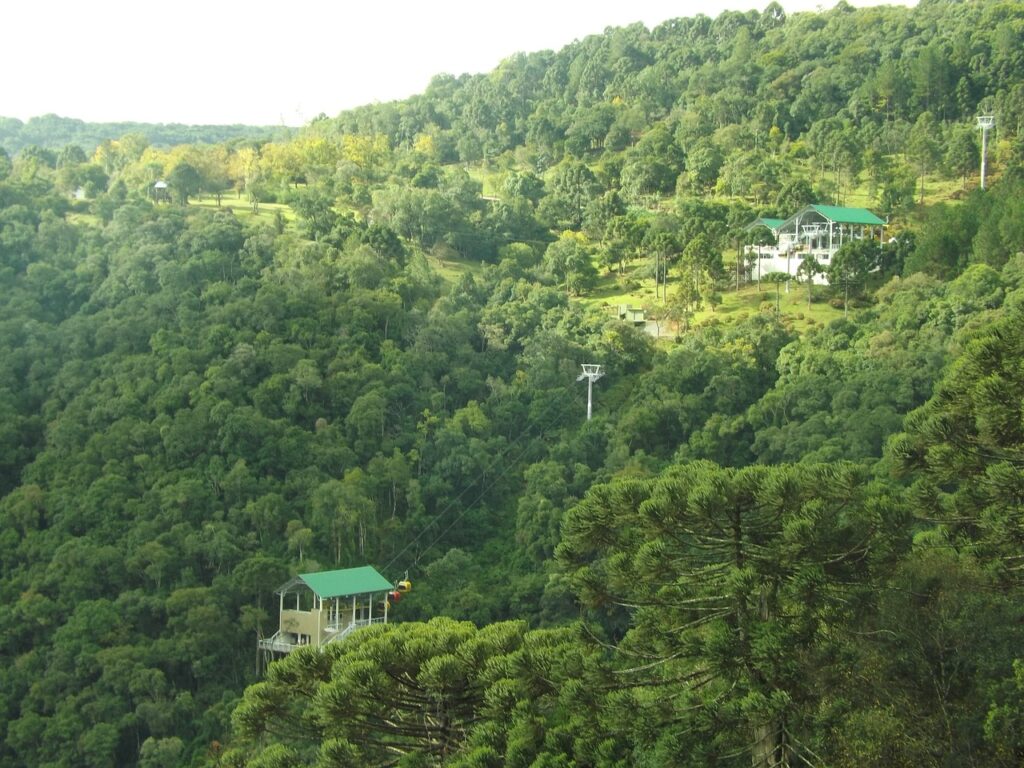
(198, 403)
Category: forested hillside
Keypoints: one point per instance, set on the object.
(790, 535)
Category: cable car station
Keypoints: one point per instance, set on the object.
(321, 608)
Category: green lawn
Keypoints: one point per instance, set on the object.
(85, 219)
(490, 179)
(451, 269)
(242, 209)
(792, 306)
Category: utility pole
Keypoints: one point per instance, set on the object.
(591, 373)
(985, 123)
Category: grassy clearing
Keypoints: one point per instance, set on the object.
(792, 306)
(242, 209)
(490, 179)
(85, 220)
(735, 306)
(452, 269)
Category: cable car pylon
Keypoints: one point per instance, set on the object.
(591, 373)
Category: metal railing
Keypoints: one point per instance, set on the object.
(278, 644)
(351, 627)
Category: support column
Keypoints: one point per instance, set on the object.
(985, 123)
(591, 373)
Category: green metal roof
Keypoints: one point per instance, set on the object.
(347, 581)
(772, 224)
(848, 215)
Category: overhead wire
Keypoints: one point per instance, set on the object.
(802, 748)
(450, 505)
(474, 502)
(561, 413)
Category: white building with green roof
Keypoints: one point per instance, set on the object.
(814, 230)
(319, 608)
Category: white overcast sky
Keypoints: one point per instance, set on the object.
(263, 63)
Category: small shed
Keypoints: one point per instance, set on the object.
(634, 315)
(320, 608)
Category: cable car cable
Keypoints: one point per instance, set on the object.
(561, 415)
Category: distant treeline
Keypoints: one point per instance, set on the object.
(55, 132)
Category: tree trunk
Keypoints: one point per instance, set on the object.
(767, 748)
(739, 262)
(657, 270)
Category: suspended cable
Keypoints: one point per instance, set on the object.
(560, 414)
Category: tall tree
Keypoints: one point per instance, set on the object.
(185, 181)
(726, 578)
(851, 265)
(568, 260)
(962, 153)
(809, 268)
(924, 147)
(409, 691)
(968, 444)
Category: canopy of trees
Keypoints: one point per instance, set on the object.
(768, 547)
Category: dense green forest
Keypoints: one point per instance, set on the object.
(54, 133)
(790, 535)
